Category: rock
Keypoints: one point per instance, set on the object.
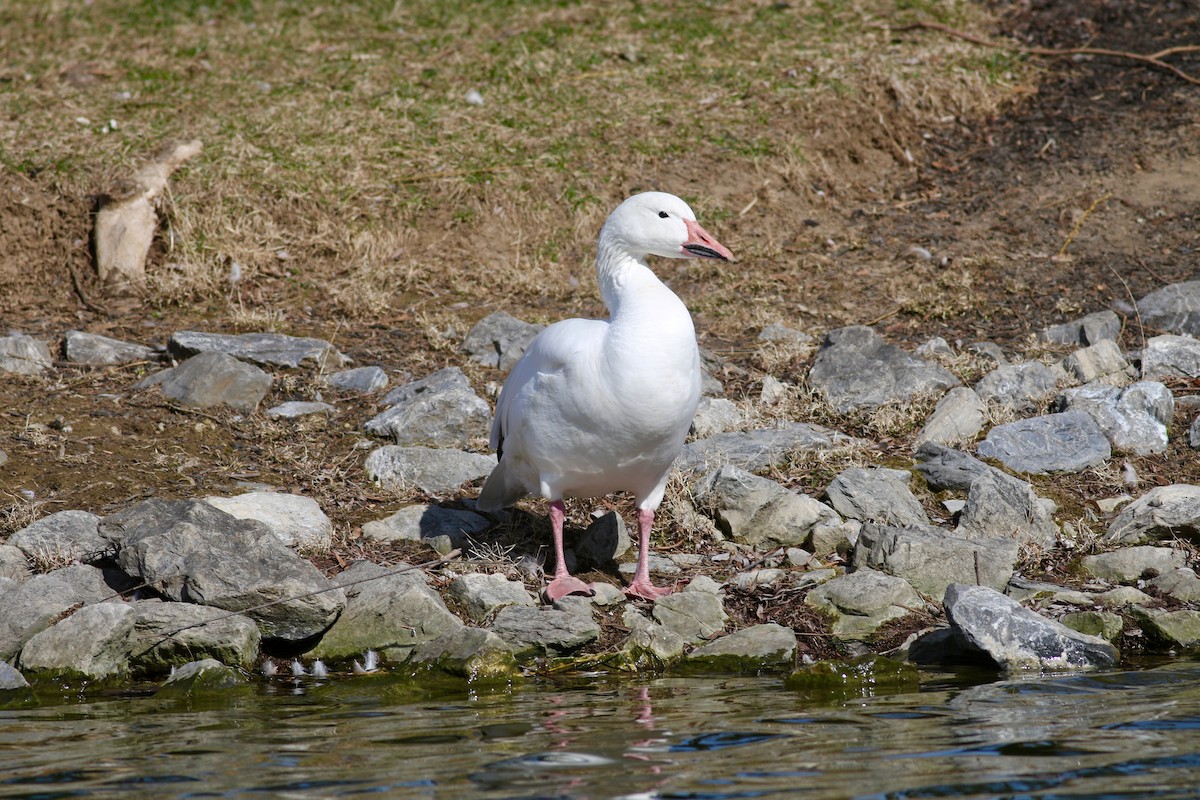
(605, 540)
(774, 391)
(498, 340)
(483, 594)
(11, 679)
(293, 409)
(426, 522)
(944, 468)
(758, 578)
(359, 379)
(389, 611)
(958, 417)
(1104, 624)
(878, 495)
(1024, 386)
(1128, 564)
(264, 349)
(1169, 629)
(166, 635)
(1101, 362)
(205, 675)
(295, 520)
(864, 676)
(213, 379)
(1193, 438)
(32, 606)
(62, 537)
(855, 369)
(934, 348)
(1182, 584)
(1174, 308)
(433, 471)
(543, 631)
(13, 564)
(1122, 597)
(1161, 513)
(447, 379)
(449, 417)
(1066, 442)
(3, 458)
(93, 642)
(1170, 356)
(1000, 505)
(1135, 419)
(861, 602)
(193, 552)
(695, 616)
(1016, 638)
(91, 348)
(1089, 330)
(650, 645)
(715, 415)
(930, 560)
(757, 649)
(24, 355)
(758, 511)
(785, 335)
(472, 653)
(757, 449)
(989, 350)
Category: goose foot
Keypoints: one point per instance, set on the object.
(567, 585)
(647, 591)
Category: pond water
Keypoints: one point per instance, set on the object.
(1120, 734)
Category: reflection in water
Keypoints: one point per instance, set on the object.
(1119, 734)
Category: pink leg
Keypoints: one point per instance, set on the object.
(563, 583)
(641, 586)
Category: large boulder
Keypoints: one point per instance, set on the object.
(931, 559)
(1161, 513)
(1066, 442)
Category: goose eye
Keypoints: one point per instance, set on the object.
(663, 215)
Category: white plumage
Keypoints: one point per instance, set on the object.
(599, 406)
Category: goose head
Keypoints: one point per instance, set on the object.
(659, 224)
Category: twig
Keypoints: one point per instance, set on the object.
(1153, 59)
(82, 295)
(1074, 231)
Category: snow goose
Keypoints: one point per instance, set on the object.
(600, 406)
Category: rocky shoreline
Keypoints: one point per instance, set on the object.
(209, 590)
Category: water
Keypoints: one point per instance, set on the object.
(1129, 734)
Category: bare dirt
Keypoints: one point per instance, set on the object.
(1081, 197)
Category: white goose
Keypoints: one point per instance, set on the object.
(599, 406)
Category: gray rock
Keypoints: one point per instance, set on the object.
(715, 415)
(212, 379)
(693, 615)
(876, 494)
(855, 369)
(472, 653)
(861, 602)
(205, 675)
(433, 471)
(543, 631)
(11, 678)
(930, 559)
(759, 648)
(1066, 442)
(61, 538)
(1174, 308)
(1193, 437)
(389, 611)
(649, 645)
(359, 379)
(944, 468)
(24, 355)
(1135, 419)
(1101, 362)
(424, 522)
(168, 635)
(1000, 505)
(958, 417)
(1182, 584)
(498, 340)
(1016, 638)
(781, 333)
(294, 409)
(92, 348)
(989, 350)
(935, 347)
(602, 543)
(1105, 624)
(1089, 330)
(483, 594)
(93, 642)
(758, 578)
(449, 417)
(1122, 597)
(1128, 564)
(1024, 386)
(265, 349)
(295, 520)
(1164, 512)
(1170, 356)
(193, 552)
(438, 382)
(30, 608)
(758, 449)
(3, 458)
(1169, 629)
(758, 511)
